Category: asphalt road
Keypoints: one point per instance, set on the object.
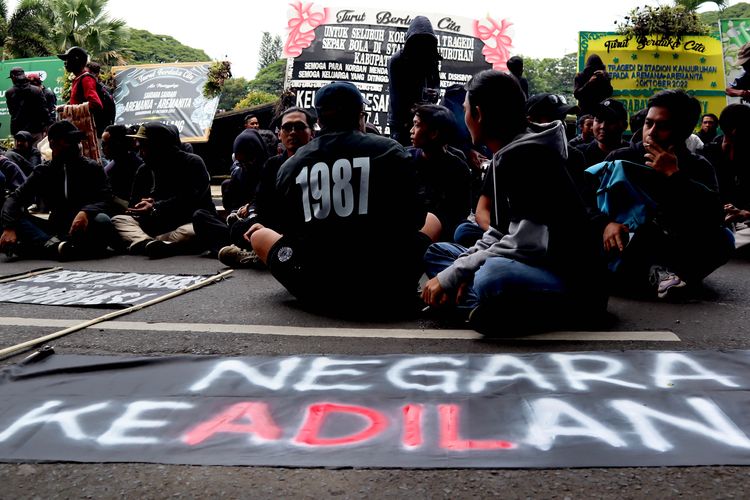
(716, 318)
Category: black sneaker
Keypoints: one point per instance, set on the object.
(157, 249)
(67, 250)
(667, 283)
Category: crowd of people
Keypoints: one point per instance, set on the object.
(487, 194)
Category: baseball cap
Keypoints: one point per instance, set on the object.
(610, 108)
(744, 54)
(65, 130)
(16, 72)
(550, 105)
(74, 53)
(155, 131)
(24, 136)
(339, 94)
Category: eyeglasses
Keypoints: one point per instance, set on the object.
(296, 126)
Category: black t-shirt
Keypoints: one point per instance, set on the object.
(593, 153)
(349, 199)
(742, 82)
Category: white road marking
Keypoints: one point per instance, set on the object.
(304, 331)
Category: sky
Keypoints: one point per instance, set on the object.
(232, 29)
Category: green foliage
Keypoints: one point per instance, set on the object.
(255, 98)
(693, 5)
(24, 33)
(85, 23)
(551, 75)
(270, 50)
(271, 78)
(218, 73)
(233, 92)
(737, 11)
(665, 21)
(143, 47)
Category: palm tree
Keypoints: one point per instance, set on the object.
(85, 23)
(692, 5)
(25, 33)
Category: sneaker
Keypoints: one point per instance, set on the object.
(666, 282)
(157, 249)
(68, 251)
(238, 258)
(232, 218)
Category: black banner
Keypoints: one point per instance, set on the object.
(94, 289)
(590, 409)
(355, 45)
(168, 93)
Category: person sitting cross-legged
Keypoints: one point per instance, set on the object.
(539, 263)
(160, 224)
(662, 213)
(343, 195)
(75, 190)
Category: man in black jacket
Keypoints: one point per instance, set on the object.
(27, 106)
(161, 222)
(24, 154)
(345, 195)
(682, 240)
(75, 190)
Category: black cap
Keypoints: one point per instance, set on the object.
(76, 53)
(65, 130)
(24, 136)
(611, 109)
(156, 132)
(550, 105)
(16, 72)
(339, 94)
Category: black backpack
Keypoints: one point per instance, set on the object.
(106, 116)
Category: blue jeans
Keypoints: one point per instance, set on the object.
(498, 279)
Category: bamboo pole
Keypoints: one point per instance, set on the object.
(115, 314)
(29, 274)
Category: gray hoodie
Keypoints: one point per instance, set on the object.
(525, 240)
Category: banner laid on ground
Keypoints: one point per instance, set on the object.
(734, 34)
(50, 70)
(326, 45)
(95, 289)
(584, 409)
(167, 93)
(639, 69)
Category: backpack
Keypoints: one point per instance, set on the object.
(106, 116)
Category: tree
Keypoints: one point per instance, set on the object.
(143, 47)
(270, 50)
(692, 5)
(738, 11)
(86, 24)
(235, 89)
(665, 21)
(271, 78)
(553, 75)
(23, 33)
(256, 98)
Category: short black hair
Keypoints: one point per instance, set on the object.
(637, 120)
(248, 117)
(582, 119)
(439, 119)
(118, 136)
(734, 117)
(515, 65)
(684, 110)
(309, 118)
(502, 101)
(710, 115)
(270, 140)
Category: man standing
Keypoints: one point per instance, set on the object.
(27, 107)
(347, 194)
(49, 97)
(76, 192)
